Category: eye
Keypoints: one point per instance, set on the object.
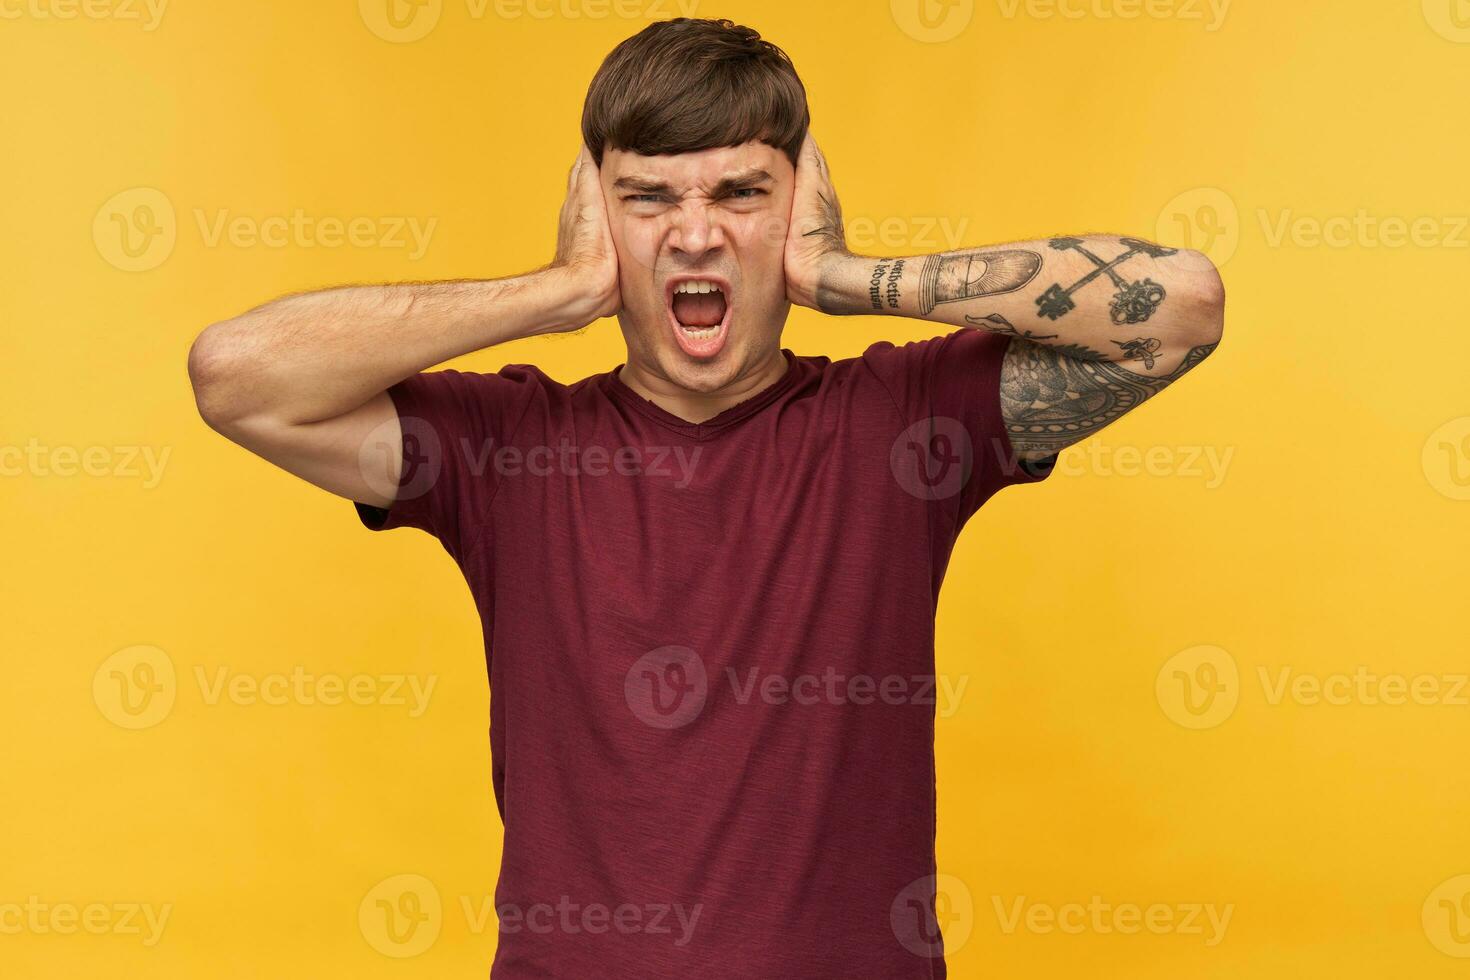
(644, 198)
(746, 193)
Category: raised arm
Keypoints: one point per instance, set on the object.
(1098, 323)
(302, 381)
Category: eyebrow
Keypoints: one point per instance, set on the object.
(642, 184)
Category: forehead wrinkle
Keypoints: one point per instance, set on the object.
(730, 179)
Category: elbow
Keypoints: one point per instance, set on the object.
(1206, 302)
(215, 371)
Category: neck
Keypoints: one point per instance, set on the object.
(701, 406)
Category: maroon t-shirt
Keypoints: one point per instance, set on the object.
(711, 653)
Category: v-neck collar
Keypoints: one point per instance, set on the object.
(710, 427)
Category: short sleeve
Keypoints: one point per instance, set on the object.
(452, 424)
(948, 391)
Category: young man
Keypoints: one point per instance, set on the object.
(708, 577)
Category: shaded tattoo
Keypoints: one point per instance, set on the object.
(1050, 400)
(999, 324)
(831, 231)
(968, 275)
(1141, 349)
(1134, 302)
(832, 238)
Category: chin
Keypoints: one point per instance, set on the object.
(707, 377)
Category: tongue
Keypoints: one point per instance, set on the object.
(699, 309)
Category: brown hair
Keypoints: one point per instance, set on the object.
(683, 85)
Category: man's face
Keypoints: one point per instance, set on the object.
(700, 240)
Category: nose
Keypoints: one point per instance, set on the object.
(696, 231)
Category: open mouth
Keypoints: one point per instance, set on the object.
(699, 312)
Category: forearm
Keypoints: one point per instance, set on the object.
(315, 356)
(1094, 297)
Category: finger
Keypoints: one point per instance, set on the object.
(810, 155)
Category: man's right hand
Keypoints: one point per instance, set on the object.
(584, 244)
(303, 380)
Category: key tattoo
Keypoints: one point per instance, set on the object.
(1134, 302)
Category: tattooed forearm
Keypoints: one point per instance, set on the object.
(1134, 302)
(1050, 400)
(892, 270)
(970, 275)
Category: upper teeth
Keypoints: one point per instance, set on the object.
(697, 286)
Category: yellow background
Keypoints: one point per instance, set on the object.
(1333, 540)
